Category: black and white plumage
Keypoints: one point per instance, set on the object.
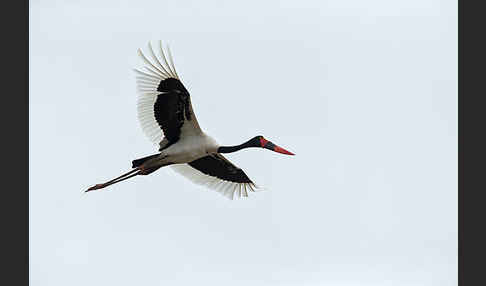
(167, 119)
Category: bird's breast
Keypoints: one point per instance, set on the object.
(187, 149)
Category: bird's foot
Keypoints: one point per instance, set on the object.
(96, 187)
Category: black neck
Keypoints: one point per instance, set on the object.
(230, 149)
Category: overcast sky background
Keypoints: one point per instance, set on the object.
(364, 92)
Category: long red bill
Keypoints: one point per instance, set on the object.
(282, 150)
(264, 143)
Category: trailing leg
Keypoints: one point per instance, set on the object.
(123, 177)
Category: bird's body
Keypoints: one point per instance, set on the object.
(188, 149)
(167, 118)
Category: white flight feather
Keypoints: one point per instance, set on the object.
(231, 190)
(148, 81)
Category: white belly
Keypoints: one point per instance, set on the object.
(190, 148)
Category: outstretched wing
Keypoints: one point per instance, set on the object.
(164, 105)
(217, 173)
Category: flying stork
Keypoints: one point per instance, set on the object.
(167, 118)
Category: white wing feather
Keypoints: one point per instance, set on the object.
(228, 189)
(147, 83)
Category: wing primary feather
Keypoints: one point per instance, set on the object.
(165, 59)
(211, 182)
(222, 187)
(228, 191)
(157, 60)
(144, 83)
(147, 82)
(217, 187)
(144, 89)
(153, 72)
(171, 59)
(245, 193)
(239, 191)
(160, 73)
(146, 74)
(147, 79)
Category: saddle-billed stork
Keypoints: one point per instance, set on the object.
(167, 118)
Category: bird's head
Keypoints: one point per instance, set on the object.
(260, 141)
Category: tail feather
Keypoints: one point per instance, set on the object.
(138, 162)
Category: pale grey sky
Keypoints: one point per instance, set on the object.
(364, 92)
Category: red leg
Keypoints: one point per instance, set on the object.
(115, 180)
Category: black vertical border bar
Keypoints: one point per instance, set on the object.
(460, 143)
(14, 106)
(472, 144)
